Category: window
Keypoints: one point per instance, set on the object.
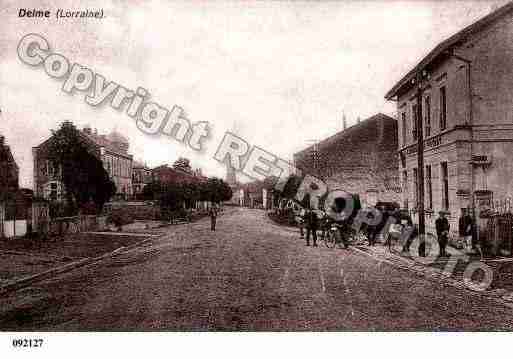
(414, 121)
(427, 121)
(416, 187)
(51, 169)
(445, 185)
(443, 108)
(44, 168)
(405, 188)
(403, 123)
(429, 187)
(53, 191)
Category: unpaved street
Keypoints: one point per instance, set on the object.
(249, 275)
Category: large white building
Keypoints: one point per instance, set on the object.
(466, 101)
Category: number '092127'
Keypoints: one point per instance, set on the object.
(27, 343)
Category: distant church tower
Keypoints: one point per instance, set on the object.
(231, 176)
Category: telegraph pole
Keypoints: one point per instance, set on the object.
(420, 165)
(315, 157)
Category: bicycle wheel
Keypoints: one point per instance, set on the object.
(361, 237)
(330, 239)
(324, 238)
(341, 240)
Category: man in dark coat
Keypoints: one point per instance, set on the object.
(373, 231)
(312, 224)
(466, 226)
(409, 231)
(213, 218)
(300, 219)
(442, 232)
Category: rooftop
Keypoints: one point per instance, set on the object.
(447, 45)
(360, 132)
(114, 142)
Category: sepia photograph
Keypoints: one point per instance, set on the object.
(180, 171)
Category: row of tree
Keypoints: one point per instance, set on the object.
(186, 194)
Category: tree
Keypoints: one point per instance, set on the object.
(172, 196)
(191, 193)
(216, 190)
(183, 164)
(82, 172)
(152, 191)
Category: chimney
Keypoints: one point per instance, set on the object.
(358, 119)
(344, 121)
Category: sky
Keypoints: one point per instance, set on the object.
(279, 74)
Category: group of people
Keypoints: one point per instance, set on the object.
(310, 223)
(467, 231)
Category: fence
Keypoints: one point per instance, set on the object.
(18, 221)
(496, 223)
(499, 234)
(69, 225)
(14, 217)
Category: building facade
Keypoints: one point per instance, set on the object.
(141, 176)
(465, 100)
(111, 149)
(9, 171)
(361, 159)
(169, 175)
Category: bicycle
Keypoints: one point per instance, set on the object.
(340, 235)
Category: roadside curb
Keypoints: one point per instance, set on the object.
(499, 295)
(46, 256)
(52, 272)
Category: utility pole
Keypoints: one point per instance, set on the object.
(315, 157)
(420, 165)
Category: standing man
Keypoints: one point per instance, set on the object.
(409, 230)
(442, 232)
(465, 230)
(301, 222)
(312, 224)
(213, 218)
